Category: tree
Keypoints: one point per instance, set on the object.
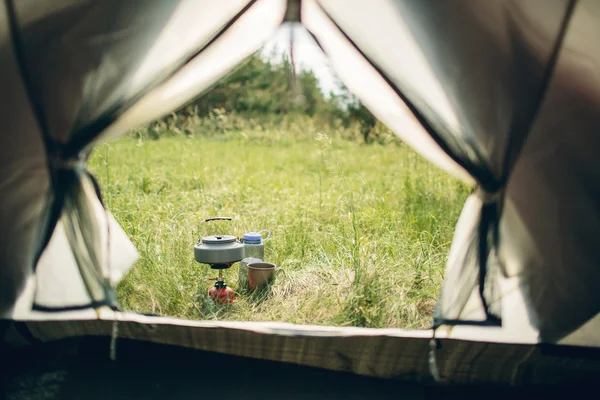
(260, 86)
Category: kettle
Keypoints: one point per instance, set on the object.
(219, 251)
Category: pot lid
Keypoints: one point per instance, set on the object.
(219, 239)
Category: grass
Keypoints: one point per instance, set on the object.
(361, 232)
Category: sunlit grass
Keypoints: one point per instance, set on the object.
(361, 232)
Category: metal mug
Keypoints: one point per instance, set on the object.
(261, 274)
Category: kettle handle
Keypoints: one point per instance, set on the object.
(217, 219)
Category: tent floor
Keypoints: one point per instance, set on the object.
(79, 368)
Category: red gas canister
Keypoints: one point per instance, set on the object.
(221, 294)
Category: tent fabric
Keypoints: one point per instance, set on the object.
(123, 51)
(77, 98)
(24, 178)
(262, 19)
(384, 353)
(477, 73)
(115, 246)
(551, 226)
(121, 47)
(503, 94)
(363, 80)
(58, 275)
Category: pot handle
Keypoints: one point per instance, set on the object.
(268, 234)
(217, 219)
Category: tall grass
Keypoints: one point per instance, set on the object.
(361, 232)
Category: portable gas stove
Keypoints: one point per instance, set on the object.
(220, 252)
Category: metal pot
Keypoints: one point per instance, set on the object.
(261, 274)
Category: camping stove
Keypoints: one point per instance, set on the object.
(219, 252)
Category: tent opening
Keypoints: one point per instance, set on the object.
(360, 224)
(483, 90)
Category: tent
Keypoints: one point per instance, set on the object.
(504, 94)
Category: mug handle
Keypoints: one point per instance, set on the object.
(268, 234)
